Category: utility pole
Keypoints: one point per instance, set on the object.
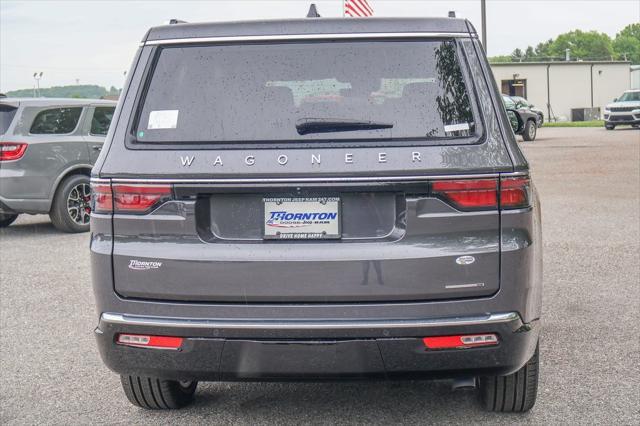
(483, 11)
(36, 87)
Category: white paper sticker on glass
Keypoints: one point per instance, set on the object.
(163, 119)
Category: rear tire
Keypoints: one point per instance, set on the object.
(609, 126)
(157, 394)
(7, 219)
(516, 392)
(530, 130)
(69, 210)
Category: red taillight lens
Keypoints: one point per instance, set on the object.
(145, 341)
(121, 198)
(12, 151)
(101, 198)
(470, 194)
(139, 198)
(482, 194)
(460, 341)
(515, 193)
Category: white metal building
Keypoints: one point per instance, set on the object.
(558, 87)
(635, 76)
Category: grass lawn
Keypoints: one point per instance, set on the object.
(594, 123)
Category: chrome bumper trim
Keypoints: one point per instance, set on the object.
(124, 319)
(326, 179)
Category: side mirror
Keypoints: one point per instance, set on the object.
(615, 99)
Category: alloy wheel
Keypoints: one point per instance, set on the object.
(79, 203)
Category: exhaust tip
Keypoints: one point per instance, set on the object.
(463, 383)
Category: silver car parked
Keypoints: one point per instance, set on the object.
(47, 149)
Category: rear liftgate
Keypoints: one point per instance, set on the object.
(309, 242)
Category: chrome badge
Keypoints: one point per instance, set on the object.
(465, 260)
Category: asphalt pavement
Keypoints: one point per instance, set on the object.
(589, 184)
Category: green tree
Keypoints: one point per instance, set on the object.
(583, 45)
(631, 30)
(627, 44)
(517, 55)
(501, 58)
(75, 91)
(543, 50)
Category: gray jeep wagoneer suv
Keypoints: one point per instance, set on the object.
(47, 149)
(315, 199)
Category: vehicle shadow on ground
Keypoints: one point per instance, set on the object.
(331, 403)
(29, 228)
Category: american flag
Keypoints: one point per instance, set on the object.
(357, 8)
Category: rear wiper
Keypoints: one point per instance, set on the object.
(328, 125)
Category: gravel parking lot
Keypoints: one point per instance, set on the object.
(588, 180)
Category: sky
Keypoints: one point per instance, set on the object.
(94, 41)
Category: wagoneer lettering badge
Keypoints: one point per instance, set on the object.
(283, 160)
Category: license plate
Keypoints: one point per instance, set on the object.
(313, 218)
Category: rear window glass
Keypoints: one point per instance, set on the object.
(7, 112)
(101, 119)
(56, 121)
(389, 90)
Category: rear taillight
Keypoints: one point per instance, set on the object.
(124, 198)
(468, 194)
(101, 198)
(484, 194)
(139, 198)
(12, 151)
(515, 193)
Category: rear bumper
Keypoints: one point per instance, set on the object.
(307, 350)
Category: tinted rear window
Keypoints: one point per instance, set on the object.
(7, 112)
(56, 121)
(101, 119)
(385, 90)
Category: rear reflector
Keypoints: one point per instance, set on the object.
(460, 341)
(143, 341)
(12, 151)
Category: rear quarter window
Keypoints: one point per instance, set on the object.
(56, 121)
(101, 120)
(7, 112)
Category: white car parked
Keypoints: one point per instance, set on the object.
(623, 110)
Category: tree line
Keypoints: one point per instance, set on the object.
(582, 45)
(86, 91)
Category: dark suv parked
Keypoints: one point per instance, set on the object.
(524, 121)
(315, 199)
